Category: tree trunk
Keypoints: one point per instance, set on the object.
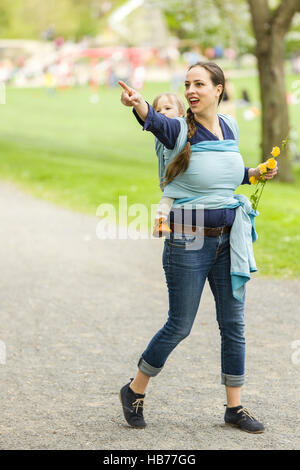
(270, 28)
(275, 117)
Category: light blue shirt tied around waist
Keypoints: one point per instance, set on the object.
(215, 170)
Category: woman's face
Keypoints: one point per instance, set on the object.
(200, 92)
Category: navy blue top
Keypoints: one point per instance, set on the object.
(167, 130)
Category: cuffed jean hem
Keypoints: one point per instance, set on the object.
(147, 369)
(232, 380)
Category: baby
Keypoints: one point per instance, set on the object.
(171, 106)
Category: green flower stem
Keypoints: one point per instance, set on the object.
(254, 197)
(257, 194)
(263, 185)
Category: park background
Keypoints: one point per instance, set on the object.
(65, 137)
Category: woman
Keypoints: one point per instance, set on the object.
(207, 169)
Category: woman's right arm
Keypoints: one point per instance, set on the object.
(130, 97)
(165, 129)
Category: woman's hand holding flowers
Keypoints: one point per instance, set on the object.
(265, 171)
(257, 174)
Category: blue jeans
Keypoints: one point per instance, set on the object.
(186, 271)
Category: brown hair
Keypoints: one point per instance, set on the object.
(171, 97)
(181, 162)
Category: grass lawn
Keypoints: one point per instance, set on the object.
(65, 149)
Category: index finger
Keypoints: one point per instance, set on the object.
(125, 87)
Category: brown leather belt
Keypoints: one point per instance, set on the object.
(206, 231)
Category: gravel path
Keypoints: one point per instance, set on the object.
(76, 312)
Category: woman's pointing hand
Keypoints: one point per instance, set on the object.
(129, 96)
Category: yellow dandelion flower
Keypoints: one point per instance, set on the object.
(253, 180)
(262, 168)
(271, 163)
(275, 152)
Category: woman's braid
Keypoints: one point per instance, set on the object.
(190, 120)
(181, 162)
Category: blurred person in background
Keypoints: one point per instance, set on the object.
(227, 105)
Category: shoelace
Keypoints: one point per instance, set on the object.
(246, 412)
(139, 402)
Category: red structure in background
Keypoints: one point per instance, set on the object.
(134, 57)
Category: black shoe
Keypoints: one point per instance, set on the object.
(243, 419)
(132, 404)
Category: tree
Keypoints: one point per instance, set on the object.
(270, 25)
(70, 18)
(210, 22)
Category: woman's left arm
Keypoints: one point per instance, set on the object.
(268, 176)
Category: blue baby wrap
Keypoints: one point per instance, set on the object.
(215, 170)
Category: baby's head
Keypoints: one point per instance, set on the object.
(169, 104)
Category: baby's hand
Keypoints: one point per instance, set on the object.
(129, 97)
